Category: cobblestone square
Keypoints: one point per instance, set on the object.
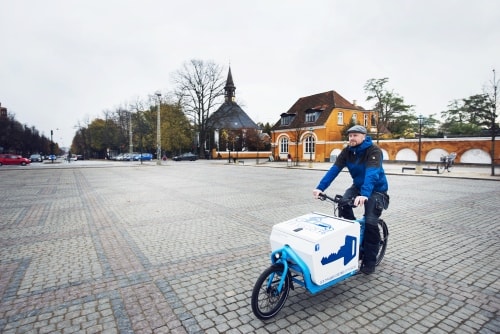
(177, 248)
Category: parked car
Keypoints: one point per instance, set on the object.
(13, 159)
(143, 157)
(186, 156)
(36, 158)
(128, 157)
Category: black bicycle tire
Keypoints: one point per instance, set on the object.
(259, 289)
(383, 242)
(440, 168)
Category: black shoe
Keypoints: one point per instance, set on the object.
(367, 269)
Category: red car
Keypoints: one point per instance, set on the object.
(13, 159)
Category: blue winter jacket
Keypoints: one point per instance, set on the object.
(364, 163)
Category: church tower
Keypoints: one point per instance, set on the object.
(230, 88)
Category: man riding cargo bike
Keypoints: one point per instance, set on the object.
(363, 160)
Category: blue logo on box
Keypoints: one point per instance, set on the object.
(316, 247)
(347, 251)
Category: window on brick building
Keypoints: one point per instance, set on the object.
(340, 118)
(310, 144)
(284, 145)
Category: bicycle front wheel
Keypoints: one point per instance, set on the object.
(440, 168)
(267, 298)
(384, 238)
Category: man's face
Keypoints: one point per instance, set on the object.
(356, 138)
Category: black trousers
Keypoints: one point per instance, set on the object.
(373, 210)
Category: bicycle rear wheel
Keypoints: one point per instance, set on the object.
(267, 299)
(384, 238)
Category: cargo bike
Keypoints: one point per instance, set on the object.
(314, 251)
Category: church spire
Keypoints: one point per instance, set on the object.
(230, 88)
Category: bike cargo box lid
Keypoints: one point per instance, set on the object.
(312, 227)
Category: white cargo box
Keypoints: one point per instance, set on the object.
(328, 245)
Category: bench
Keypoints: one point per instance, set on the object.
(428, 169)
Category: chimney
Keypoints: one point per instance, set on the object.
(354, 103)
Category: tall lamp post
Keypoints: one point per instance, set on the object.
(272, 144)
(158, 131)
(493, 120)
(51, 146)
(130, 143)
(420, 122)
(310, 147)
(418, 169)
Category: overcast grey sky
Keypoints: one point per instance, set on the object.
(66, 61)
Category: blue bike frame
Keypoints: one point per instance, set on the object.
(293, 263)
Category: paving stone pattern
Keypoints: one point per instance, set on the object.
(177, 249)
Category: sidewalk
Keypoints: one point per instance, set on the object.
(392, 168)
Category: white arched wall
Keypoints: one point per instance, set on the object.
(472, 156)
(385, 155)
(435, 154)
(406, 154)
(335, 151)
(475, 156)
(334, 154)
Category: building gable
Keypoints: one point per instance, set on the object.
(314, 110)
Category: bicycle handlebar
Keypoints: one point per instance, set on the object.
(338, 199)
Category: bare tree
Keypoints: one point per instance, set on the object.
(199, 86)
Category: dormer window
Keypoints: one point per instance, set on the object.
(286, 119)
(312, 115)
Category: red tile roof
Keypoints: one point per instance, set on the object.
(325, 102)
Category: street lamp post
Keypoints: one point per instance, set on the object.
(140, 128)
(234, 139)
(51, 146)
(493, 120)
(158, 131)
(310, 147)
(418, 169)
(130, 144)
(237, 139)
(272, 144)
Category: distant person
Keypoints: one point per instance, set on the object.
(363, 160)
